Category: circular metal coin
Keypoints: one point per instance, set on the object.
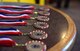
(44, 9)
(44, 13)
(38, 34)
(42, 18)
(41, 25)
(35, 46)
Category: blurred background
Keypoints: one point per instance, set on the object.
(71, 7)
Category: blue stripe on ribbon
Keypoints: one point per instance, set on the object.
(10, 20)
(3, 29)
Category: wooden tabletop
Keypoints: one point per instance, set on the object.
(68, 38)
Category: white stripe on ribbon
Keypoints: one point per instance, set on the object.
(12, 10)
(15, 6)
(14, 16)
(10, 30)
(1, 39)
(11, 22)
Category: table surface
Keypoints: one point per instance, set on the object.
(58, 29)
